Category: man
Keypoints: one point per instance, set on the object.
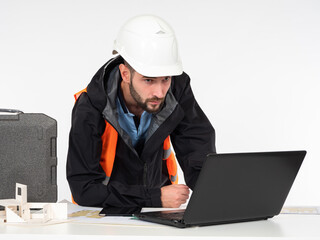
(123, 122)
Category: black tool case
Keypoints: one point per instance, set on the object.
(28, 155)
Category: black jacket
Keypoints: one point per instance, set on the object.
(136, 179)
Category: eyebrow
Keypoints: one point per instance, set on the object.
(155, 77)
(148, 77)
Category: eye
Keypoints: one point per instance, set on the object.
(167, 79)
(147, 80)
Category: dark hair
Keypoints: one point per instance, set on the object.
(132, 71)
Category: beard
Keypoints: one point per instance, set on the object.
(144, 104)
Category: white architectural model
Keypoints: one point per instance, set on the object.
(18, 210)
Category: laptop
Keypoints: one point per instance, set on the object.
(235, 187)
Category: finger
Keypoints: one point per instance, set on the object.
(186, 192)
(182, 188)
(183, 197)
(182, 201)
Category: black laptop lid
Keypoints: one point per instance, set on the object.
(242, 186)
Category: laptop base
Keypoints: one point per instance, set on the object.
(157, 217)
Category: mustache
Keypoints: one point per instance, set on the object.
(155, 99)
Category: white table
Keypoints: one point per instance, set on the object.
(284, 226)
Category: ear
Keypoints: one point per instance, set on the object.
(125, 73)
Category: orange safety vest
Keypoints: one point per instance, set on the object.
(109, 144)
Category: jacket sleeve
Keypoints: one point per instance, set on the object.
(84, 172)
(194, 137)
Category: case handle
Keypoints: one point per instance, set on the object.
(10, 110)
(10, 116)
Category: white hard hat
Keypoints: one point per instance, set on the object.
(149, 45)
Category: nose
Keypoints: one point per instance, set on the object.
(159, 90)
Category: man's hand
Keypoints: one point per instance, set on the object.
(172, 196)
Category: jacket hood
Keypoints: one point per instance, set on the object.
(97, 88)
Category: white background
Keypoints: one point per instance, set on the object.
(254, 67)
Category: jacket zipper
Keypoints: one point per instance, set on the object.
(145, 169)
